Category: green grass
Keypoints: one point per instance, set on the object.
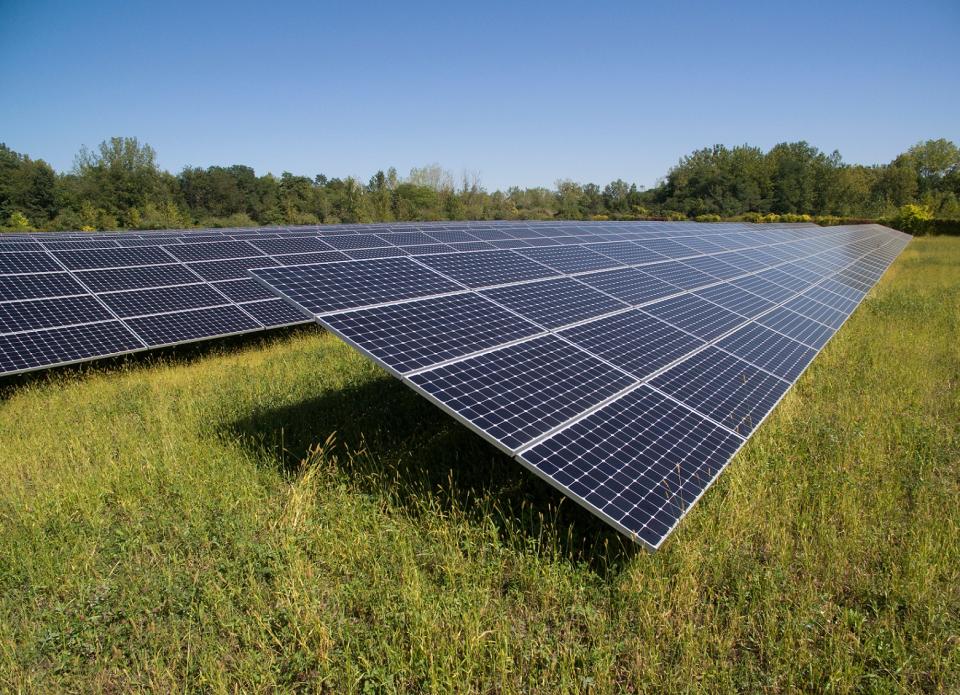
(277, 513)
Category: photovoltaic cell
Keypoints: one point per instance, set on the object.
(162, 300)
(45, 313)
(571, 259)
(213, 251)
(633, 341)
(169, 329)
(627, 252)
(521, 391)
(735, 299)
(248, 290)
(331, 286)
(113, 258)
(639, 462)
(763, 347)
(695, 315)
(417, 334)
(800, 328)
(554, 303)
(37, 349)
(629, 285)
(234, 269)
(136, 278)
(487, 268)
(679, 275)
(19, 263)
(730, 391)
(39, 285)
(271, 313)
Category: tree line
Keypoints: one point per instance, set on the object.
(119, 185)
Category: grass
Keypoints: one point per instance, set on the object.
(278, 514)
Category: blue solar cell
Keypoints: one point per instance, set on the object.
(170, 329)
(20, 263)
(667, 247)
(46, 313)
(356, 241)
(451, 236)
(408, 238)
(800, 328)
(487, 268)
(333, 286)
(519, 392)
(235, 269)
(165, 299)
(113, 258)
(508, 244)
(629, 285)
(135, 278)
(633, 341)
(695, 315)
(730, 391)
(417, 334)
(247, 290)
(276, 247)
(385, 252)
(639, 462)
(833, 300)
(47, 348)
(627, 252)
(275, 312)
(812, 309)
(37, 286)
(213, 251)
(769, 350)
(679, 275)
(554, 303)
(712, 266)
(571, 259)
(427, 249)
(763, 288)
(735, 299)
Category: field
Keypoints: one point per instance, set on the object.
(278, 513)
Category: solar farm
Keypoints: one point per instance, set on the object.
(462, 414)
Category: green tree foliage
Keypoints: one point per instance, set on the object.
(120, 185)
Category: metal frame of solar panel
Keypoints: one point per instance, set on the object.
(628, 381)
(71, 297)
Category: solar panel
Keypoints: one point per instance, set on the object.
(554, 302)
(623, 376)
(625, 363)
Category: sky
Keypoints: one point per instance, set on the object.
(522, 93)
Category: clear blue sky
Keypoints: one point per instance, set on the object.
(523, 94)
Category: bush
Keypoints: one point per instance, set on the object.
(673, 216)
(18, 222)
(707, 218)
(912, 219)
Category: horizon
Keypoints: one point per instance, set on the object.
(545, 96)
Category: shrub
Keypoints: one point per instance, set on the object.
(18, 222)
(912, 219)
(673, 215)
(710, 217)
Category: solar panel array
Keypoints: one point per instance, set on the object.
(623, 363)
(70, 297)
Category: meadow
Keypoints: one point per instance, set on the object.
(277, 514)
